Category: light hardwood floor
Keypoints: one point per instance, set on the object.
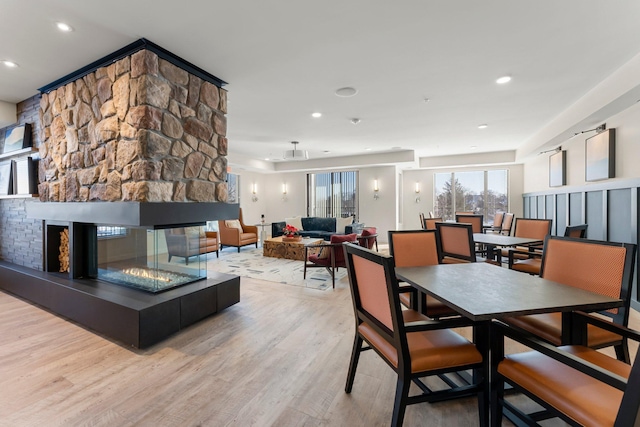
(278, 358)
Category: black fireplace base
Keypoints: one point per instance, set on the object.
(132, 317)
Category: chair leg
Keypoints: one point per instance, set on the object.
(169, 260)
(353, 364)
(186, 260)
(400, 403)
(217, 254)
(238, 249)
(622, 352)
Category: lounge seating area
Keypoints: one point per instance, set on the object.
(186, 242)
(236, 233)
(317, 227)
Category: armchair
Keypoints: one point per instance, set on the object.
(237, 233)
(185, 243)
(328, 255)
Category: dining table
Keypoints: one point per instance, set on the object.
(493, 241)
(483, 292)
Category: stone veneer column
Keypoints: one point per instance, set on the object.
(140, 129)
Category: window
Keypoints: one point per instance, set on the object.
(233, 188)
(333, 194)
(108, 231)
(481, 192)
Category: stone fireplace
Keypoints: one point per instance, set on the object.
(136, 140)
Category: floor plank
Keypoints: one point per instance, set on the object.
(279, 358)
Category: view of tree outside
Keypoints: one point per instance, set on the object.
(332, 194)
(480, 192)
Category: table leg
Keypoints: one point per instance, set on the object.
(481, 337)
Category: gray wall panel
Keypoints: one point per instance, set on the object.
(541, 207)
(595, 218)
(619, 216)
(561, 213)
(575, 210)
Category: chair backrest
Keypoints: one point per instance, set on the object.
(474, 220)
(532, 228)
(465, 213)
(507, 223)
(421, 220)
(593, 265)
(414, 248)
(431, 215)
(338, 240)
(375, 295)
(368, 237)
(430, 223)
(497, 219)
(456, 241)
(579, 231)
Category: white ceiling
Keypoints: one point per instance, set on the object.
(284, 59)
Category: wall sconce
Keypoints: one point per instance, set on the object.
(417, 192)
(376, 190)
(284, 191)
(254, 191)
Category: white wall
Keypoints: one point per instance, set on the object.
(380, 213)
(627, 125)
(412, 209)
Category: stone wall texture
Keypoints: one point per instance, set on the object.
(140, 129)
(21, 237)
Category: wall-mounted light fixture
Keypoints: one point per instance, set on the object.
(376, 190)
(284, 191)
(417, 190)
(254, 192)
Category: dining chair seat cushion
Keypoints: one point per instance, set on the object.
(516, 255)
(429, 350)
(436, 308)
(548, 326)
(531, 265)
(583, 398)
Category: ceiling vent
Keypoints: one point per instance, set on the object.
(296, 154)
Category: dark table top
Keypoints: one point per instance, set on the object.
(500, 240)
(481, 291)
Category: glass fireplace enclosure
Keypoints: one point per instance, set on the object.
(141, 258)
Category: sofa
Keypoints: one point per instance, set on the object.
(186, 242)
(316, 227)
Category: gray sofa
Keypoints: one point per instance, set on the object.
(316, 227)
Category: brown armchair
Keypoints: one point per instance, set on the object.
(186, 242)
(236, 233)
(328, 255)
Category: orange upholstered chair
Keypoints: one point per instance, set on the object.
(474, 220)
(496, 227)
(430, 223)
(237, 233)
(593, 265)
(533, 263)
(577, 384)
(530, 228)
(456, 242)
(416, 248)
(413, 345)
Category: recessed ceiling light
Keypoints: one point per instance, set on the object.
(346, 92)
(483, 126)
(316, 115)
(355, 121)
(425, 100)
(9, 64)
(326, 151)
(503, 80)
(64, 27)
(367, 149)
(266, 158)
(473, 147)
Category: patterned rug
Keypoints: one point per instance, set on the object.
(251, 263)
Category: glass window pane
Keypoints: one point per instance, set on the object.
(497, 199)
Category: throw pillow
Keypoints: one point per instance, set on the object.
(192, 232)
(233, 223)
(341, 223)
(295, 222)
(341, 238)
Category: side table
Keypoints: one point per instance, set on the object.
(263, 233)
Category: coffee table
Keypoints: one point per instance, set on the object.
(276, 248)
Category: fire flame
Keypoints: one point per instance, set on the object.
(147, 274)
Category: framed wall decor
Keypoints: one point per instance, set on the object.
(6, 185)
(558, 169)
(600, 156)
(17, 138)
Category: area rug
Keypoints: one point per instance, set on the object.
(251, 263)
